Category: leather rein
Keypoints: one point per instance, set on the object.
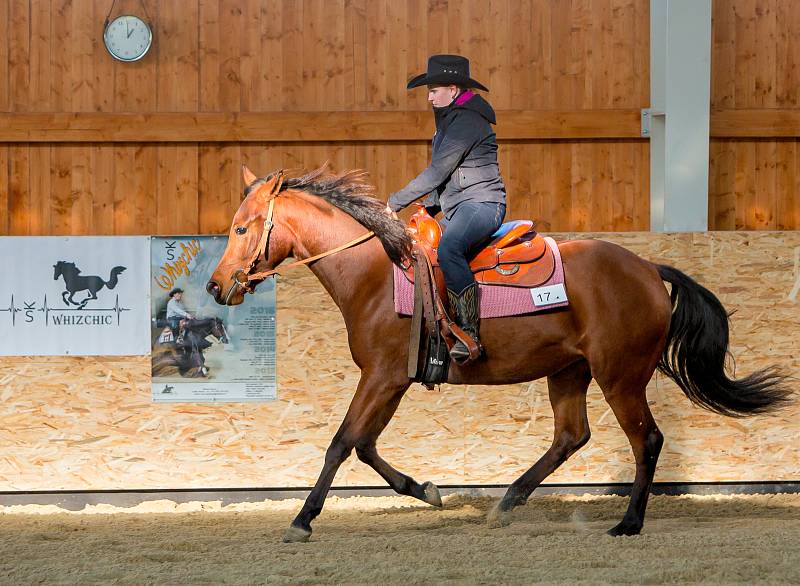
(247, 280)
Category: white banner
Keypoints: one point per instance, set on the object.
(76, 295)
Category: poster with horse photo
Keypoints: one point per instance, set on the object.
(76, 296)
(202, 351)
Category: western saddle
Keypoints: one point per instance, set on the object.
(515, 256)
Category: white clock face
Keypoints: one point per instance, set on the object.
(127, 38)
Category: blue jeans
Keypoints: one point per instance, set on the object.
(471, 225)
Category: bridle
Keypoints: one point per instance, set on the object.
(247, 280)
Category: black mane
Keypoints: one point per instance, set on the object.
(353, 195)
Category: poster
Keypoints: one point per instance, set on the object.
(206, 352)
(76, 295)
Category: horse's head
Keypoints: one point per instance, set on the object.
(218, 330)
(253, 245)
(61, 268)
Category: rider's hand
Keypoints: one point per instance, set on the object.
(390, 212)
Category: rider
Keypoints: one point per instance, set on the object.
(463, 181)
(177, 314)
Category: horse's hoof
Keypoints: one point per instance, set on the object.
(296, 535)
(497, 518)
(432, 496)
(625, 528)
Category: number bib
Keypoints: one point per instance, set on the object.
(550, 295)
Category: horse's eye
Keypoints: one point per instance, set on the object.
(241, 230)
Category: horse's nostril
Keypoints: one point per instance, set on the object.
(213, 288)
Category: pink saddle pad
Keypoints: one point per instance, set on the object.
(496, 300)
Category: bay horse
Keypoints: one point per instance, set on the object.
(621, 325)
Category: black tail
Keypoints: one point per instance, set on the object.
(112, 281)
(696, 349)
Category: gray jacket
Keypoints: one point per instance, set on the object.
(464, 160)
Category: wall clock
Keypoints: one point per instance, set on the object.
(127, 37)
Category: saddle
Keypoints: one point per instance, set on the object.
(515, 255)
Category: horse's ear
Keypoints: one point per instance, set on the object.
(247, 175)
(271, 187)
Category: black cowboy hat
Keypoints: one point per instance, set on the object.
(175, 290)
(446, 70)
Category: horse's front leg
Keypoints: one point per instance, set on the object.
(367, 452)
(71, 298)
(371, 408)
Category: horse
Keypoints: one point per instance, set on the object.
(621, 325)
(74, 282)
(188, 357)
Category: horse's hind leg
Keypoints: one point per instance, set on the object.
(629, 403)
(567, 390)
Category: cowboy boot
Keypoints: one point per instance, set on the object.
(466, 308)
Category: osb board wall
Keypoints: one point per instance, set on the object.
(88, 423)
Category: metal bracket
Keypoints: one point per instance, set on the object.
(647, 114)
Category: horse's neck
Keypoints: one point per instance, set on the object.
(349, 273)
(69, 273)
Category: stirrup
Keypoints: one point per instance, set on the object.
(459, 353)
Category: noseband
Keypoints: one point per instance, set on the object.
(246, 280)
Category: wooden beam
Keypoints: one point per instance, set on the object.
(566, 124)
(755, 123)
(302, 126)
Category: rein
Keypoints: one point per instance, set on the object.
(243, 278)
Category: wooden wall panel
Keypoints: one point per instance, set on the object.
(19, 188)
(80, 218)
(306, 55)
(580, 59)
(41, 66)
(5, 13)
(19, 42)
(177, 51)
(4, 202)
(755, 99)
(40, 185)
(102, 188)
(98, 188)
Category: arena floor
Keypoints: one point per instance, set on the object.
(393, 540)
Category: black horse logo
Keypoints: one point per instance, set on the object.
(74, 282)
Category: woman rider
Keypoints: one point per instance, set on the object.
(463, 182)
